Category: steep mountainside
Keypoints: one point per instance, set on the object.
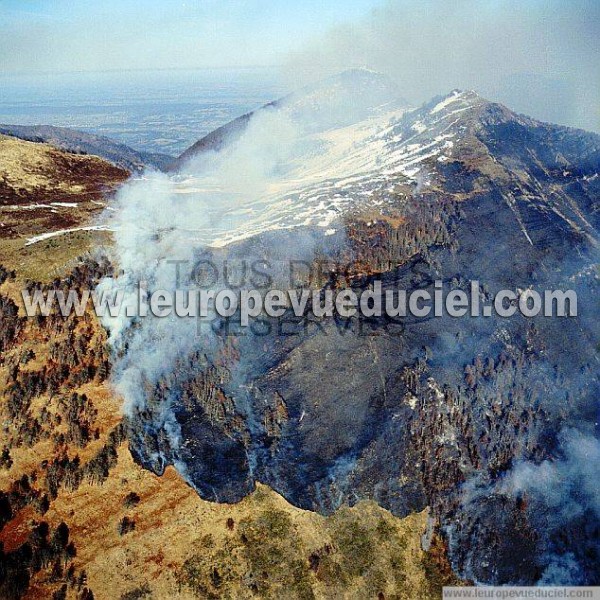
(343, 99)
(380, 161)
(79, 519)
(441, 412)
(265, 464)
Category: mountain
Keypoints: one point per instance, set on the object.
(332, 171)
(78, 142)
(46, 192)
(78, 517)
(445, 412)
(367, 457)
(342, 99)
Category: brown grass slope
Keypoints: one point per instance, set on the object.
(131, 534)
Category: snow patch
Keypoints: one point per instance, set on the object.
(51, 234)
(453, 97)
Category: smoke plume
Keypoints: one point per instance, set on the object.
(564, 497)
(539, 58)
(164, 223)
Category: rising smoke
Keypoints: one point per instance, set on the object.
(226, 196)
(564, 499)
(540, 58)
(223, 196)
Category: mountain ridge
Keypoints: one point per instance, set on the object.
(79, 142)
(351, 168)
(446, 414)
(345, 81)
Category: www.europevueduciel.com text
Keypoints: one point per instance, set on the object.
(248, 304)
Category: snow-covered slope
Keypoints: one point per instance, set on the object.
(298, 163)
(316, 177)
(342, 99)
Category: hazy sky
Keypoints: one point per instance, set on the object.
(124, 34)
(541, 57)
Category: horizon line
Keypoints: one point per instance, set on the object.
(139, 70)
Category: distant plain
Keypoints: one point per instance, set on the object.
(153, 111)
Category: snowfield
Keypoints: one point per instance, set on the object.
(331, 173)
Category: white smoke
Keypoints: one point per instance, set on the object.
(245, 188)
(568, 485)
(561, 491)
(540, 58)
(163, 218)
(561, 497)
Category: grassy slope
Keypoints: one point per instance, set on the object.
(182, 546)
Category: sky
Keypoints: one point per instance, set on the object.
(540, 57)
(48, 35)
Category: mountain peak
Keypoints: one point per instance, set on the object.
(455, 100)
(358, 74)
